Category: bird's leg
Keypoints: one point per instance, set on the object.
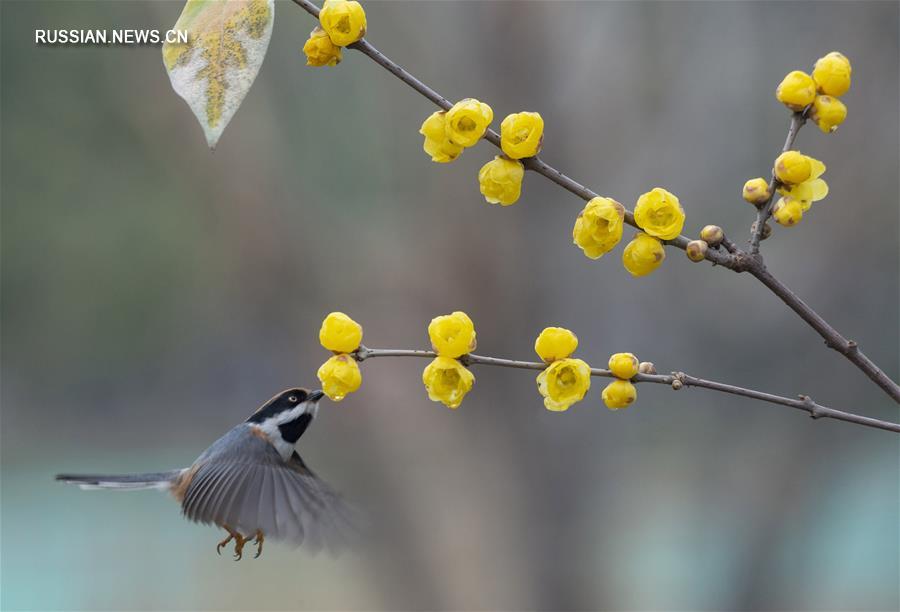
(226, 540)
(239, 542)
(260, 538)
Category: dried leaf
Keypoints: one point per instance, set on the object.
(213, 71)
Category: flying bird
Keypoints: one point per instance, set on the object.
(253, 484)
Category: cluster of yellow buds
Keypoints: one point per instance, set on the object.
(566, 380)
(819, 92)
(621, 393)
(446, 379)
(799, 184)
(341, 23)
(447, 133)
(340, 375)
(598, 229)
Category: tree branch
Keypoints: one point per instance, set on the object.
(765, 211)
(833, 339)
(676, 380)
(729, 257)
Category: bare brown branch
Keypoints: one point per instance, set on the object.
(805, 403)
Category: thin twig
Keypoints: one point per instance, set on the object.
(675, 380)
(729, 257)
(765, 210)
(833, 339)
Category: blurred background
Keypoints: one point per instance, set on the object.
(154, 294)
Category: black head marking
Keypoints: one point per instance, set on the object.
(286, 400)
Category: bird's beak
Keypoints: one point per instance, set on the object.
(315, 396)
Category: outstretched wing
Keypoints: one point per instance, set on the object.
(246, 485)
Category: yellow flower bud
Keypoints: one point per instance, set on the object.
(563, 383)
(712, 234)
(806, 193)
(828, 113)
(793, 167)
(447, 381)
(598, 227)
(555, 343)
(340, 333)
(796, 91)
(696, 250)
(756, 191)
(437, 145)
(452, 335)
(787, 211)
(643, 255)
(619, 394)
(647, 367)
(467, 121)
(832, 74)
(623, 365)
(501, 180)
(659, 214)
(339, 375)
(319, 49)
(521, 134)
(343, 20)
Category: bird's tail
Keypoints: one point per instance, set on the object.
(124, 482)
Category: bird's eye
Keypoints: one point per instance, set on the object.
(293, 399)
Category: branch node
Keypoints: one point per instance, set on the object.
(361, 354)
(810, 406)
(678, 380)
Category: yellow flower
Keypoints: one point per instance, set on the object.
(787, 211)
(467, 121)
(521, 134)
(659, 214)
(501, 180)
(344, 20)
(340, 333)
(828, 113)
(447, 381)
(563, 383)
(793, 168)
(832, 74)
(452, 335)
(320, 51)
(624, 365)
(555, 343)
(796, 91)
(643, 255)
(619, 394)
(811, 190)
(756, 191)
(339, 375)
(437, 145)
(598, 227)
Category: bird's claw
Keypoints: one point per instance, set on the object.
(260, 538)
(221, 544)
(239, 542)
